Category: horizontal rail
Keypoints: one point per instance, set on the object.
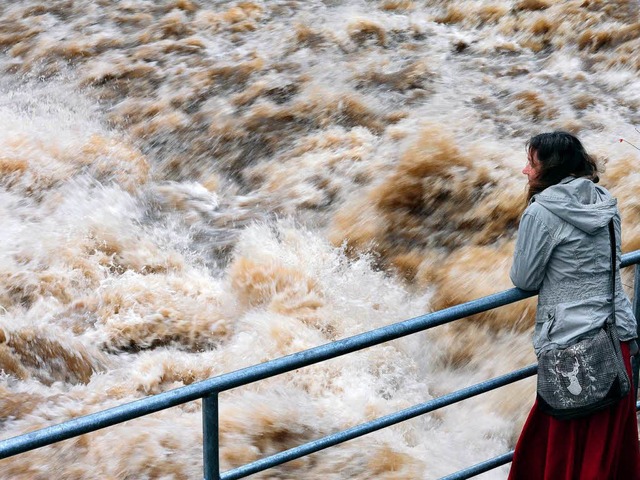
(487, 465)
(481, 467)
(172, 398)
(631, 258)
(374, 425)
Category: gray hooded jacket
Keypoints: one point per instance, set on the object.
(563, 250)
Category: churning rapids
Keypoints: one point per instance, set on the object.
(188, 187)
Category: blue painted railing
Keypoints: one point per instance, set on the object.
(209, 389)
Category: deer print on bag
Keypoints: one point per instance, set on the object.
(574, 385)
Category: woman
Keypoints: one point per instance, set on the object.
(563, 250)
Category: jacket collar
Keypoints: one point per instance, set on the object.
(564, 181)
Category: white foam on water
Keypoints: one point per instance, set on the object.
(187, 189)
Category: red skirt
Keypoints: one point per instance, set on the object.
(603, 446)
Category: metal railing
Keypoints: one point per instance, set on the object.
(209, 389)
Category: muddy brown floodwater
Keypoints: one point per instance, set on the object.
(190, 187)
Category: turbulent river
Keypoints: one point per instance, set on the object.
(188, 187)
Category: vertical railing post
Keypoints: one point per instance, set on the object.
(635, 361)
(210, 430)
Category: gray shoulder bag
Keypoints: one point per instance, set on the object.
(589, 375)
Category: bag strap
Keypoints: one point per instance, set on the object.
(612, 241)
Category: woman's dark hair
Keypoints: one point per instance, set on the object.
(560, 155)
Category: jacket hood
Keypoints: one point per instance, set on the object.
(579, 202)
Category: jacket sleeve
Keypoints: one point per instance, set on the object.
(533, 250)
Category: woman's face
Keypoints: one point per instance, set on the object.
(532, 168)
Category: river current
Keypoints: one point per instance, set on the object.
(188, 187)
